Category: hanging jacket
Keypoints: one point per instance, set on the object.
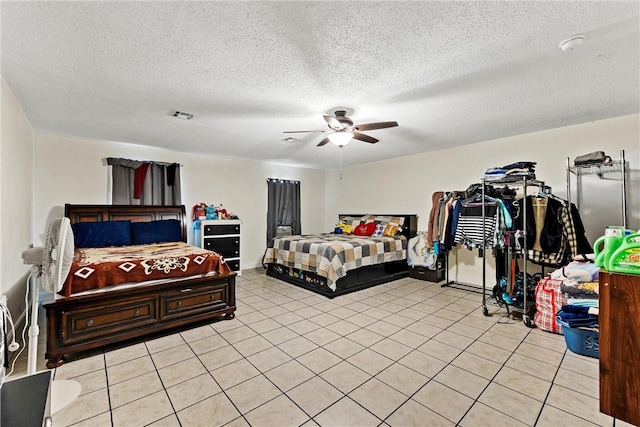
(432, 229)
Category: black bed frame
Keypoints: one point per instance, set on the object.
(355, 280)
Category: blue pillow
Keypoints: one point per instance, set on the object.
(166, 230)
(101, 234)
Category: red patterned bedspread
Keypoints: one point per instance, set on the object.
(95, 268)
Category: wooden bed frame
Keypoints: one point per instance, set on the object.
(88, 321)
(355, 280)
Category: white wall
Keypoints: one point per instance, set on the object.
(72, 170)
(16, 196)
(405, 185)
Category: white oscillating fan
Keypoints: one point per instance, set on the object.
(51, 265)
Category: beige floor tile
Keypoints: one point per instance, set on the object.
(438, 321)
(143, 411)
(399, 320)
(554, 417)
(181, 371)
(280, 335)
(345, 377)
(234, 373)
(192, 391)
(454, 340)
(324, 319)
(477, 365)
(578, 382)
(289, 375)
(172, 355)
(125, 354)
(321, 336)
(134, 389)
(509, 402)
(294, 305)
(422, 363)
(505, 343)
(287, 318)
(391, 349)
(169, 421)
(346, 412)
(269, 359)
(444, 401)
(489, 351)
(365, 337)
(409, 338)
(482, 415)
(92, 381)
(214, 411)
(280, 411)
(344, 347)
(463, 381)
(303, 327)
(403, 379)
(577, 404)
(546, 340)
(164, 343)
(361, 320)
(413, 414)
(220, 357)
(370, 361)
(252, 317)
(440, 350)
(238, 422)
(531, 366)
(252, 393)
(99, 420)
(198, 333)
(342, 327)
(130, 369)
(225, 325)
(265, 325)
(523, 383)
(314, 395)
(252, 345)
(542, 354)
(449, 314)
(342, 312)
(207, 344)
(297, 346)
(238, 334)
(79, 367)
(378, 398)
(83, 408)
(383, 328)
(319, 360)
(308, 312)
(581, 364)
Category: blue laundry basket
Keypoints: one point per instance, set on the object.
(584, 341)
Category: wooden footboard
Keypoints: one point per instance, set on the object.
(86, 322)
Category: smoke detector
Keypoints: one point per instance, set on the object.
(572, 42)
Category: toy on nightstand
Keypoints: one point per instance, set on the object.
(211, 212)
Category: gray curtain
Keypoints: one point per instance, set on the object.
(283, 206)
(155, 189)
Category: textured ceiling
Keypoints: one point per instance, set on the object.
(450, 73)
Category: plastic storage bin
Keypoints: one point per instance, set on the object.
(583, 341)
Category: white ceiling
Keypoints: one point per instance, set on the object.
(450, 73)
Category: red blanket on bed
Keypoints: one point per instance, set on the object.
(95, 268)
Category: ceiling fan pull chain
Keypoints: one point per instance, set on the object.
(341, 163)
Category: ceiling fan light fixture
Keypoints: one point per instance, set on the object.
(340, 139)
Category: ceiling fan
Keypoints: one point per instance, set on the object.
(342, 130)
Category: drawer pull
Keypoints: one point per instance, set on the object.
(212, 297)
(90, 322)
(136, 313)
(179, 304)
(186, 290)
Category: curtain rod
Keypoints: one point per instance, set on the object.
(282, 180)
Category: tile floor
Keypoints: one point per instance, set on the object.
(294, 358)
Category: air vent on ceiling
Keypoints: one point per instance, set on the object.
(292, 140)
(182, 115)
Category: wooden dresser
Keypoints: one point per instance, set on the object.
(619, 350)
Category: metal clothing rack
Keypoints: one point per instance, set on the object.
(613, 166)
(524, 183)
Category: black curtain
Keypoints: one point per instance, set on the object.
(283, 206)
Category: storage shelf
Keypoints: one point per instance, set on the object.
(597, 169)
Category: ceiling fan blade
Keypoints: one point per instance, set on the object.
(304, 131)
(333, 123)
(363, 137)
(323, 142)
(380, 125)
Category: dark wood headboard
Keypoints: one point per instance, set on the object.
(133, 213)
(409, 228)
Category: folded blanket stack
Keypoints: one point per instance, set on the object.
(511, 172)
(579, 315)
